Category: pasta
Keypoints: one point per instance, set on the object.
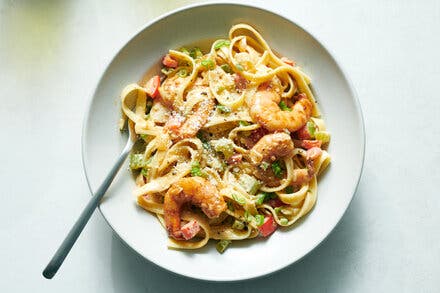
(230, 142)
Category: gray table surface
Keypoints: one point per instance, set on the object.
(51, 56)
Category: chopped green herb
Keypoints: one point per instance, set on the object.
(226, 68)
(239, 67)
(323, 136)
(144, 172)
(276, 168)
(222, 245)
(284, 221)
(195, 53)
(240, 200)
(182, 72)
(277, 209)
(311, 128)
(264, 165)
(243, 123)
(223, 109)
(208, 64)
(289, 189)
(239, 225)
(284, 107)
(196, 171)
(221, 43)
(143, 136)
(259, 219)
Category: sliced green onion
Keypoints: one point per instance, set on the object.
(196, 171)
(260, 199)
(323, 136)
(276, 168)
(226, 68)
(239, 225)
(277, 210)
(195, 53)
(144, 172)
(167, 70)
(259, 219)
(208, 64)
(243, 123)
(182, 72)
(265, 196)
(284, 107)
(223, 109)
(222, 245)
(137, 161)
(221, 43)
(143, 136)
(284, 221)
(240, 200)
(184, 50)
(289, 189)
(264, 165)
(248, 217)
(239, 67)
(311, 128)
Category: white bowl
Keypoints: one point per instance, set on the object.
(102, 143)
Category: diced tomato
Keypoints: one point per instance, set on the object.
(275, 202)
(190, 229)
(308, 144)
(269, 226)
(235, 159)
(152, 86)
(313, 153)
(240, 81)
(303, 133)
(288, 61)
(168, 61)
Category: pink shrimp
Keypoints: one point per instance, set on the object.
(196, 191)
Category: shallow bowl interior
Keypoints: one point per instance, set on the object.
(102, 142)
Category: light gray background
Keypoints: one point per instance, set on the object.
(51, 56)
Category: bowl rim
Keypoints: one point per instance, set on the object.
(348, 81)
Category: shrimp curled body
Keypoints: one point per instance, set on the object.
(263, 108)
(271, 146)
(193, 190)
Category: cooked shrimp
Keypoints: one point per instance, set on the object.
(263, 108)
(196, 120)
(306, 174)
(196, 191)
(271, 146)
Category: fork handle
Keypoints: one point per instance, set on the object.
(65, 247)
